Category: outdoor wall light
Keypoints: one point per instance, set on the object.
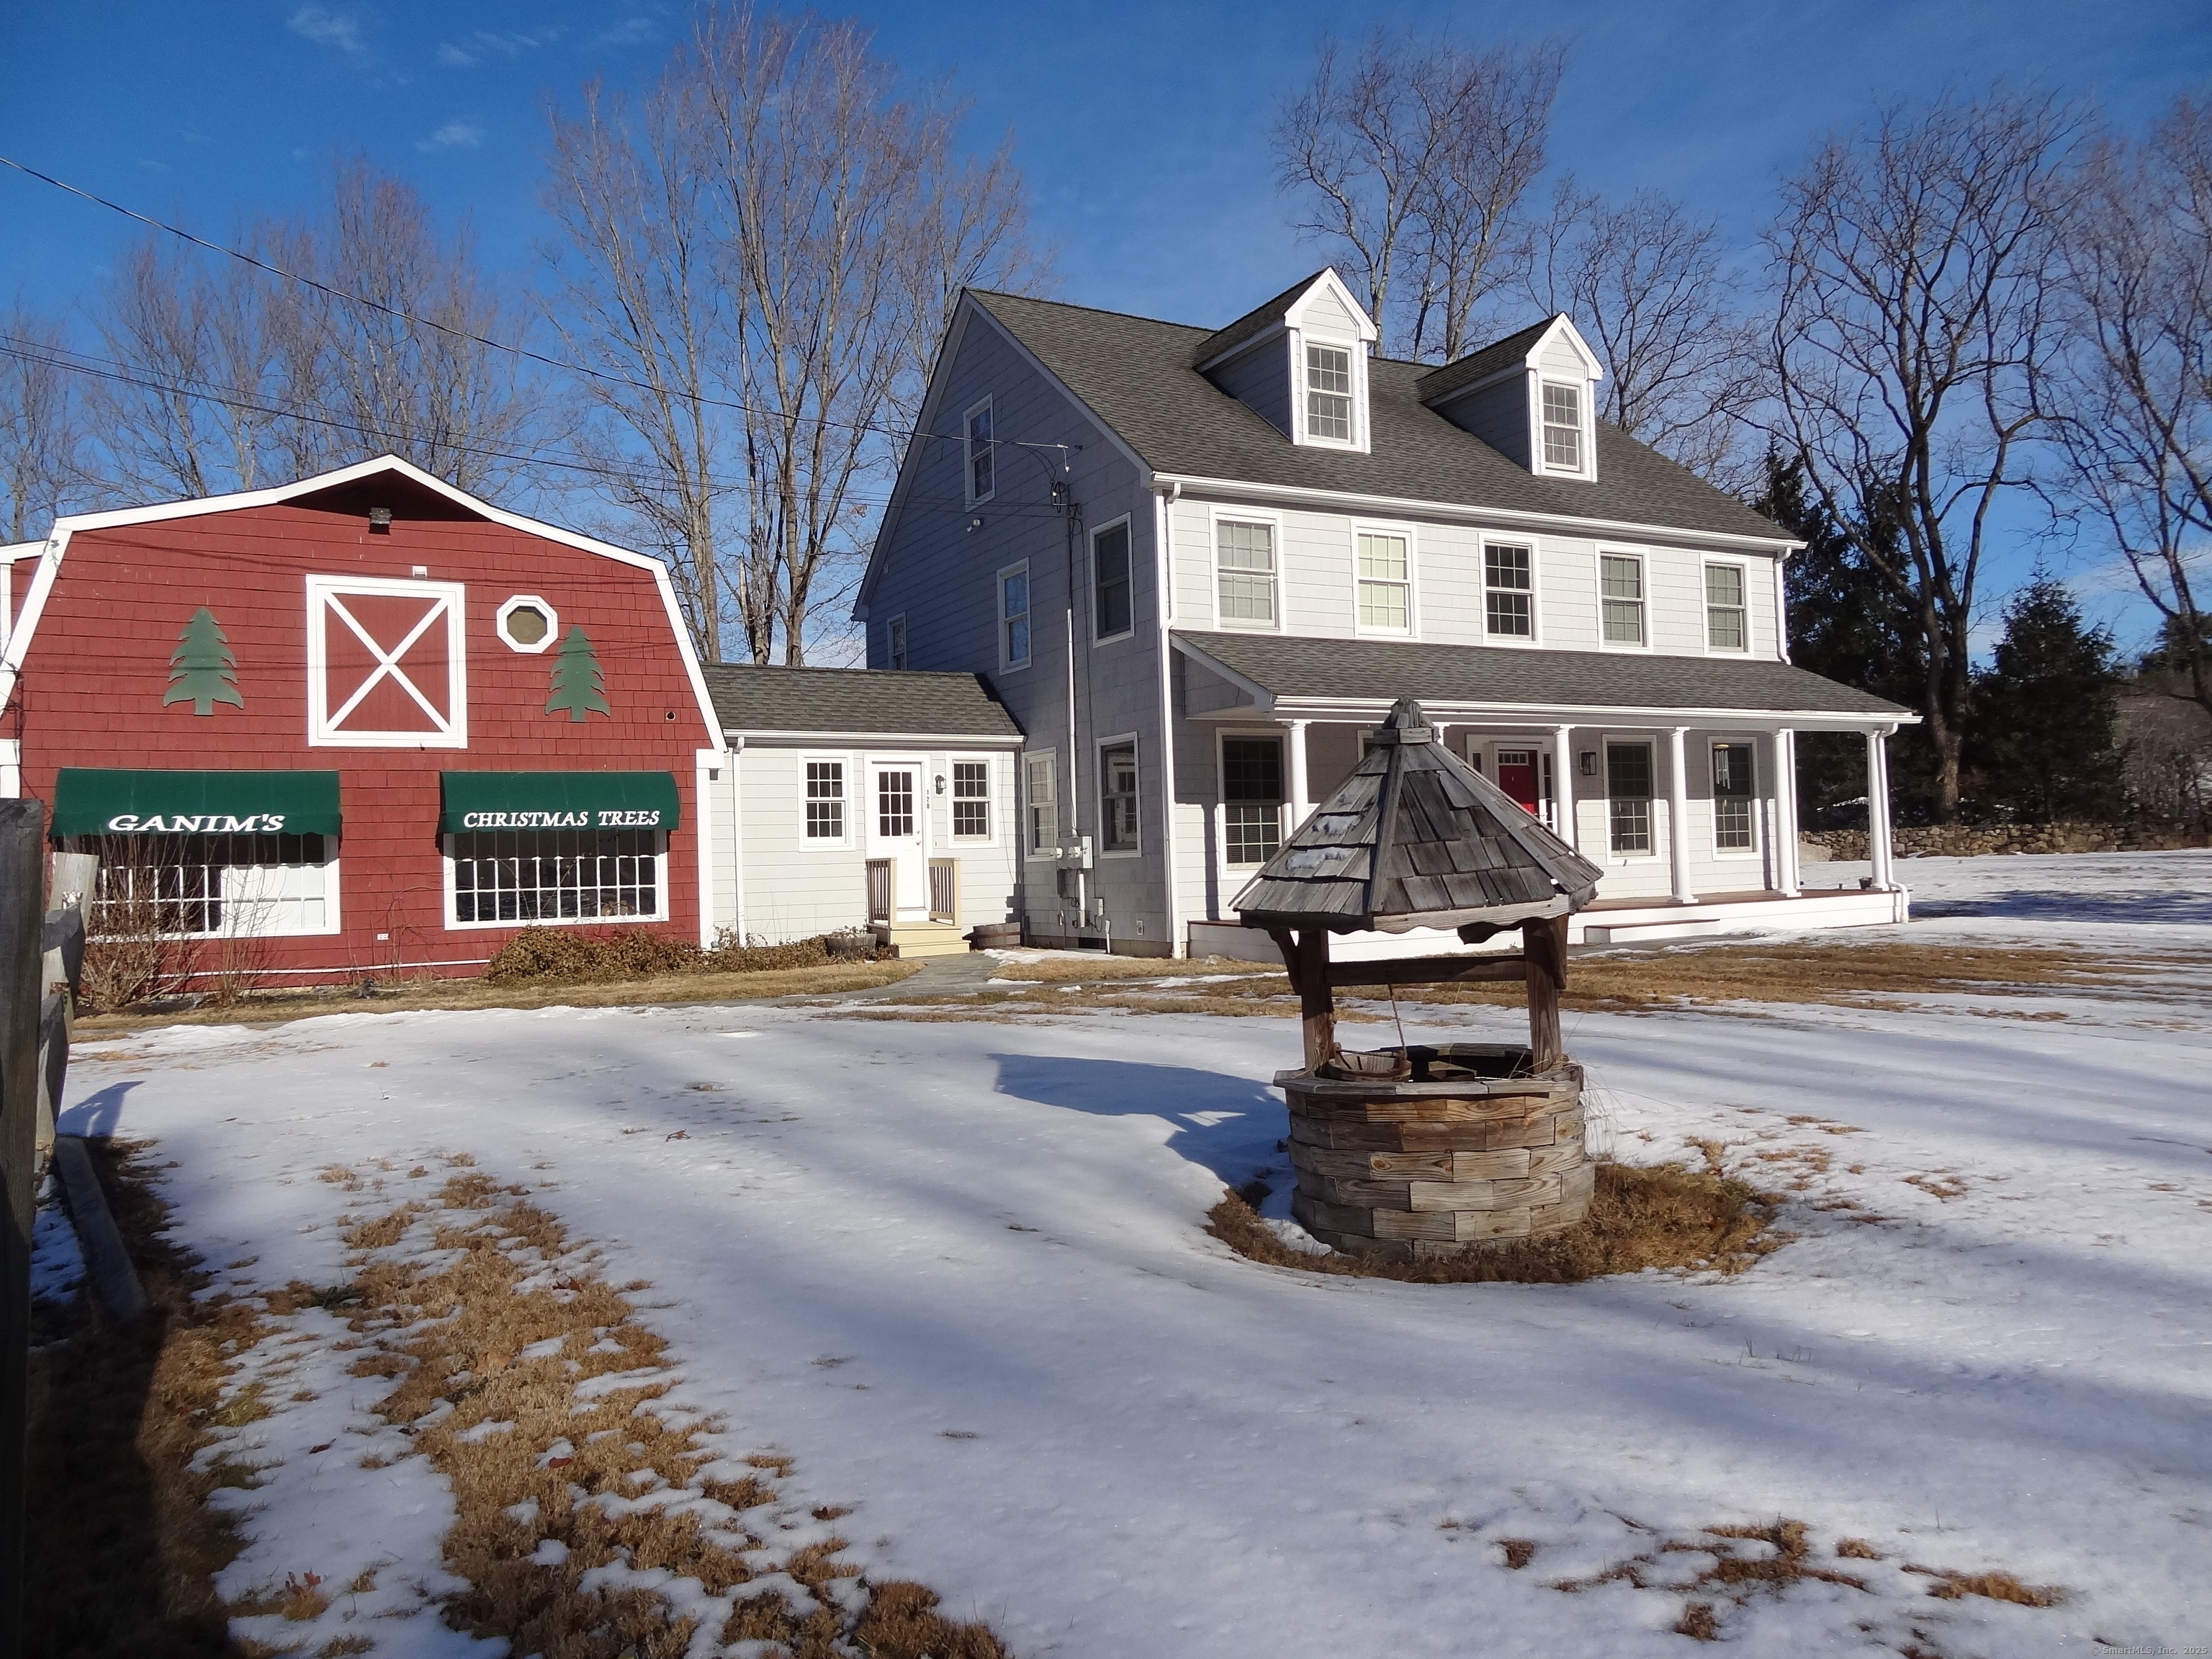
(1589, 762)
(379, 521)
(975, 524)
(940, 783)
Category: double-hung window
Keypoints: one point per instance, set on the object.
(895, 641)
(1563, 428)
(1251, 798)
(1041, 805)
(1725, 612)
(1117, 797)
(826, 800)
(1386, 586)
(1328, 393)
(983, 460)
(1628, 793)
(1110, 579)
(1014, 616)
(1732, 787)
(971, 801)
(1620, 586)
(1509, 592)
(1244, 555)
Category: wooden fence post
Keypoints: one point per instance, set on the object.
(22, 912)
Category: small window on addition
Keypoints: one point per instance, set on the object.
(526, 623)
(1117, 797)
(971, 800)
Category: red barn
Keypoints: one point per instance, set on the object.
(363, 724)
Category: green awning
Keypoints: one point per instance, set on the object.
(88, 801)
(558, 800)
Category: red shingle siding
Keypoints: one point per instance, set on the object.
(98, 666)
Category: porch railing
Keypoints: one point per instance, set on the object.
(944, 889)
(880, 890)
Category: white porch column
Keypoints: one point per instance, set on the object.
(1878, 810)
(1678, 814)
(1788, 880)
(1562, 785)
(1301, 789)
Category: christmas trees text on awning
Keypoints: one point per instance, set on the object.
(478, 801)
(90, 801)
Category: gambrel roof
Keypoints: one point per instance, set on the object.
(1137, 375)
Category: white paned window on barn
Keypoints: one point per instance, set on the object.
(228, 887)
(557, 875)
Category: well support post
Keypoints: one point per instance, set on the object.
(1544, 949)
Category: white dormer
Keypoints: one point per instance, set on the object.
(1300, 363)
(1531, 396)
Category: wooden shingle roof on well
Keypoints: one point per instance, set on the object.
(1292, 667)
(1136, 374)
(1416, 838)
(855, 701)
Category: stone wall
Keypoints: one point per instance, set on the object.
(1972, 841)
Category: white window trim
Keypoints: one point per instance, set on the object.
(1098, 748)
(990, 838)
(895, 641)
(333, 919)
(1221, 789)
(1585, 392)
(1274, 523)
(1535, 637)
(1126, 522)
(552, 625)
(1705, 607)
(1658, 796)
(968, 453)
(1756, 850)
(1360, 527)
(999, 619)
(453, 595)
(452, 900)
(1356, 351)
(824, 843)
(1051, 759)
(1597, 576)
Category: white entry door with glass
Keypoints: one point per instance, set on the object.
(898, 842)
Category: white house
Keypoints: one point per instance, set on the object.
(1195, 564)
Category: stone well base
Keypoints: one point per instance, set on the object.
(1468, 1156)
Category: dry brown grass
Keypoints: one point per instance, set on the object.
(1873, 975)
(1668, 1217)
(122, 1547)
(589, 1476)
(1951, 1586)
(471, 993)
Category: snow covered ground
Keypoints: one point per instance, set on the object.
(1075, 1415)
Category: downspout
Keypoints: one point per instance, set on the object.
(1065, 490)
(1164, 610)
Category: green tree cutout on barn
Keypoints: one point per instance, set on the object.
(203, 669)
(579, 686)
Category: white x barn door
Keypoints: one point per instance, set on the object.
(386, 663)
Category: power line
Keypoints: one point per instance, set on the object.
(231, 397)
(478, 339)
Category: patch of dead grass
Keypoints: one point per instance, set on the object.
(1666, 1217)
(1951, 1586)
(466, 994)
(530, 1384)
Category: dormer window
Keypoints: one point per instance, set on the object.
(1563, 428)
(1328, 393)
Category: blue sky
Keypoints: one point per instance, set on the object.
(1141, 126)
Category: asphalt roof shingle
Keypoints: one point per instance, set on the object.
(750, 698)
(1386, 670)
(1136, 374)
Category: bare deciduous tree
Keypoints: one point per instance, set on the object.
(1414, 157)
(41, 425)
(1916, 264)
(772, 252)
(1646, 282)
(2134, 402)
(227, 376)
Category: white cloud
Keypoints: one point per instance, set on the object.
(451, 57)
(472, 48)
(454, 135)
(628, 33)
(327, 28)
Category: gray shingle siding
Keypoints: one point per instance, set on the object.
(1137, 375)
(1293, 666)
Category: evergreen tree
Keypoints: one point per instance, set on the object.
(203, 671)
(579, 686)
(2048, 704)
(1847, 624)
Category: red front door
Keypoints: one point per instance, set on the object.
(1517, 776)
